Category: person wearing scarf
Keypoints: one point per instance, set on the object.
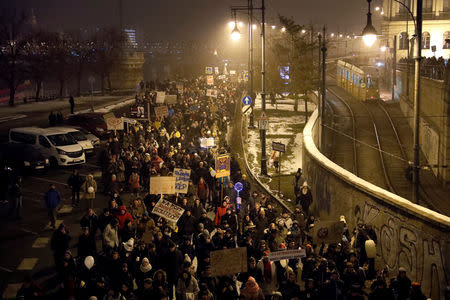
(144, 271)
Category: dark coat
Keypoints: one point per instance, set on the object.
(52, 198)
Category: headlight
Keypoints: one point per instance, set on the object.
(99, 129)
(26, 163)
(62, 152)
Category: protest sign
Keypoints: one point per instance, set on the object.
(161, 111)
(206, 142)
(228, 261)
(162, 185)
(211, 93)
(129, 120)
(108, 115)
(170, 99)
(210, 79)
(287, 254)
(160, 97)
(327, 231)
(216, 70)
(168, 210)
(114, 123)
(182, 177)
(222, 166)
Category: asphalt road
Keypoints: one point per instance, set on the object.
(24, 247)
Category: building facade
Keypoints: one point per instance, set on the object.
(435, 32)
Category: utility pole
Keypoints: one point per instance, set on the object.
(263, 91)
(394, 67)
(250, 61)
(319, 88)
(417, 59)
(324, 67)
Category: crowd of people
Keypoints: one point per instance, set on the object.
(144, 256)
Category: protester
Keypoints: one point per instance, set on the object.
(52, 200)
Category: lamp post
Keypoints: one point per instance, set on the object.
(417, 59)
(369, 33)
(236, 34)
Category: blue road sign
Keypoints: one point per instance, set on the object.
(238, 186)
(247, 100)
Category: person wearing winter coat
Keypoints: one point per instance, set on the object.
(123, 216)
(90, 220)
(138, 209)
(89, 188)
(220, 212)
(268, 269)
(52, 199)
(60, 243)
(304, 198)
(134, 183)
(111, 236)
(187, 287)
(86, 244)
(75, 182)
(160, 284)
(252, 291)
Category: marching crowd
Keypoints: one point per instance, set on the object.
(144, 256)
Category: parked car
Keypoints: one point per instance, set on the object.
(55, 144)
(93, 122)
(22, 158)
(90, 136)
(81, 139)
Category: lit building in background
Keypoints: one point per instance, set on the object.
(131, 37)
(436, 26)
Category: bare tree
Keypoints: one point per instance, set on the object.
(82, 51)
(12, 60)
(62, 60)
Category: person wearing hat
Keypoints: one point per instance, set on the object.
(146, 290)
(111, 236)
(304, 197)
(220, 212)
(402, 284)
(334, 288)
(89, 188)
(269, 271)
(145, 270)
(251, 290)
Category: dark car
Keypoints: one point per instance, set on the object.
(93, 122)
(22, 158)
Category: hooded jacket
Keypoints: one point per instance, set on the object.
(123, 217)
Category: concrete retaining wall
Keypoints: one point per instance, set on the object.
(409, 235)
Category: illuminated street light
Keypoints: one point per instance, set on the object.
(254, 26)
(341, 35)
(383, 48)
(377, 8)
(273, 26)
(332, 34)
(231, 24)
(235, 34)
(283, 29)
(369, 33)
(303, 30)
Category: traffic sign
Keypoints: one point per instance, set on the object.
(247, 100)
(208, 70)
(280, 147)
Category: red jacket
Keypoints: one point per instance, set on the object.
(219, 213)
(123, 217)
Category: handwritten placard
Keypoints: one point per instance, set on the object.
(114, 123)
(287, 254)
(182, 177)
(161, 111)
(168, 210)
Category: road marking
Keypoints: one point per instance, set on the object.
(57, 223)
(11, 290)
(27, 264)
(10, 118)
(41, 242)
(65, 209)
(6, 269)
(50, 181)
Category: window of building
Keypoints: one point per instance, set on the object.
(403, 41)
(446, 41)
(426, 40)
(427, 5)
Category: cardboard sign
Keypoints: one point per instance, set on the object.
(160, 97)
(162, 185)
(287, 254)
(223, 165)
(168, 210)
(206, 142)
(327, 231)
(211, 93)
(161, 111)
(108, 115)
(114, 124)
(210, 80)
(170, 99)
(228, 261)
(182, 177)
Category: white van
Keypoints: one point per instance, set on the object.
(81, 139)
(55, 144)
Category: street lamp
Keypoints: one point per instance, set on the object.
(235, 34)
(369, 33)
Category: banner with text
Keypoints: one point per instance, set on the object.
(228, 261)
(182, 177)
(160, 97)
(207, 142)
(162, 185)
(161, 111)
(210, 80)
(211, 93)
(170, 99)
(168, 210)
(287, 254)
(114, 123)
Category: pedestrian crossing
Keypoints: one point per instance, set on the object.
(11, 290)
(27, 264)
(41, 242)
(65, 209)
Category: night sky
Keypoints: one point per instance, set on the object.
(189, 19)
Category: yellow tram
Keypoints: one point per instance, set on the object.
(361, 82)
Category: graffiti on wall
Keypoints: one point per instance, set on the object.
(401, 244)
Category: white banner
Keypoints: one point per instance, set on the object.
(206, 142)
(211, 93)
(168, 210)
(287, 254)
(162, 185)
(160, 97)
